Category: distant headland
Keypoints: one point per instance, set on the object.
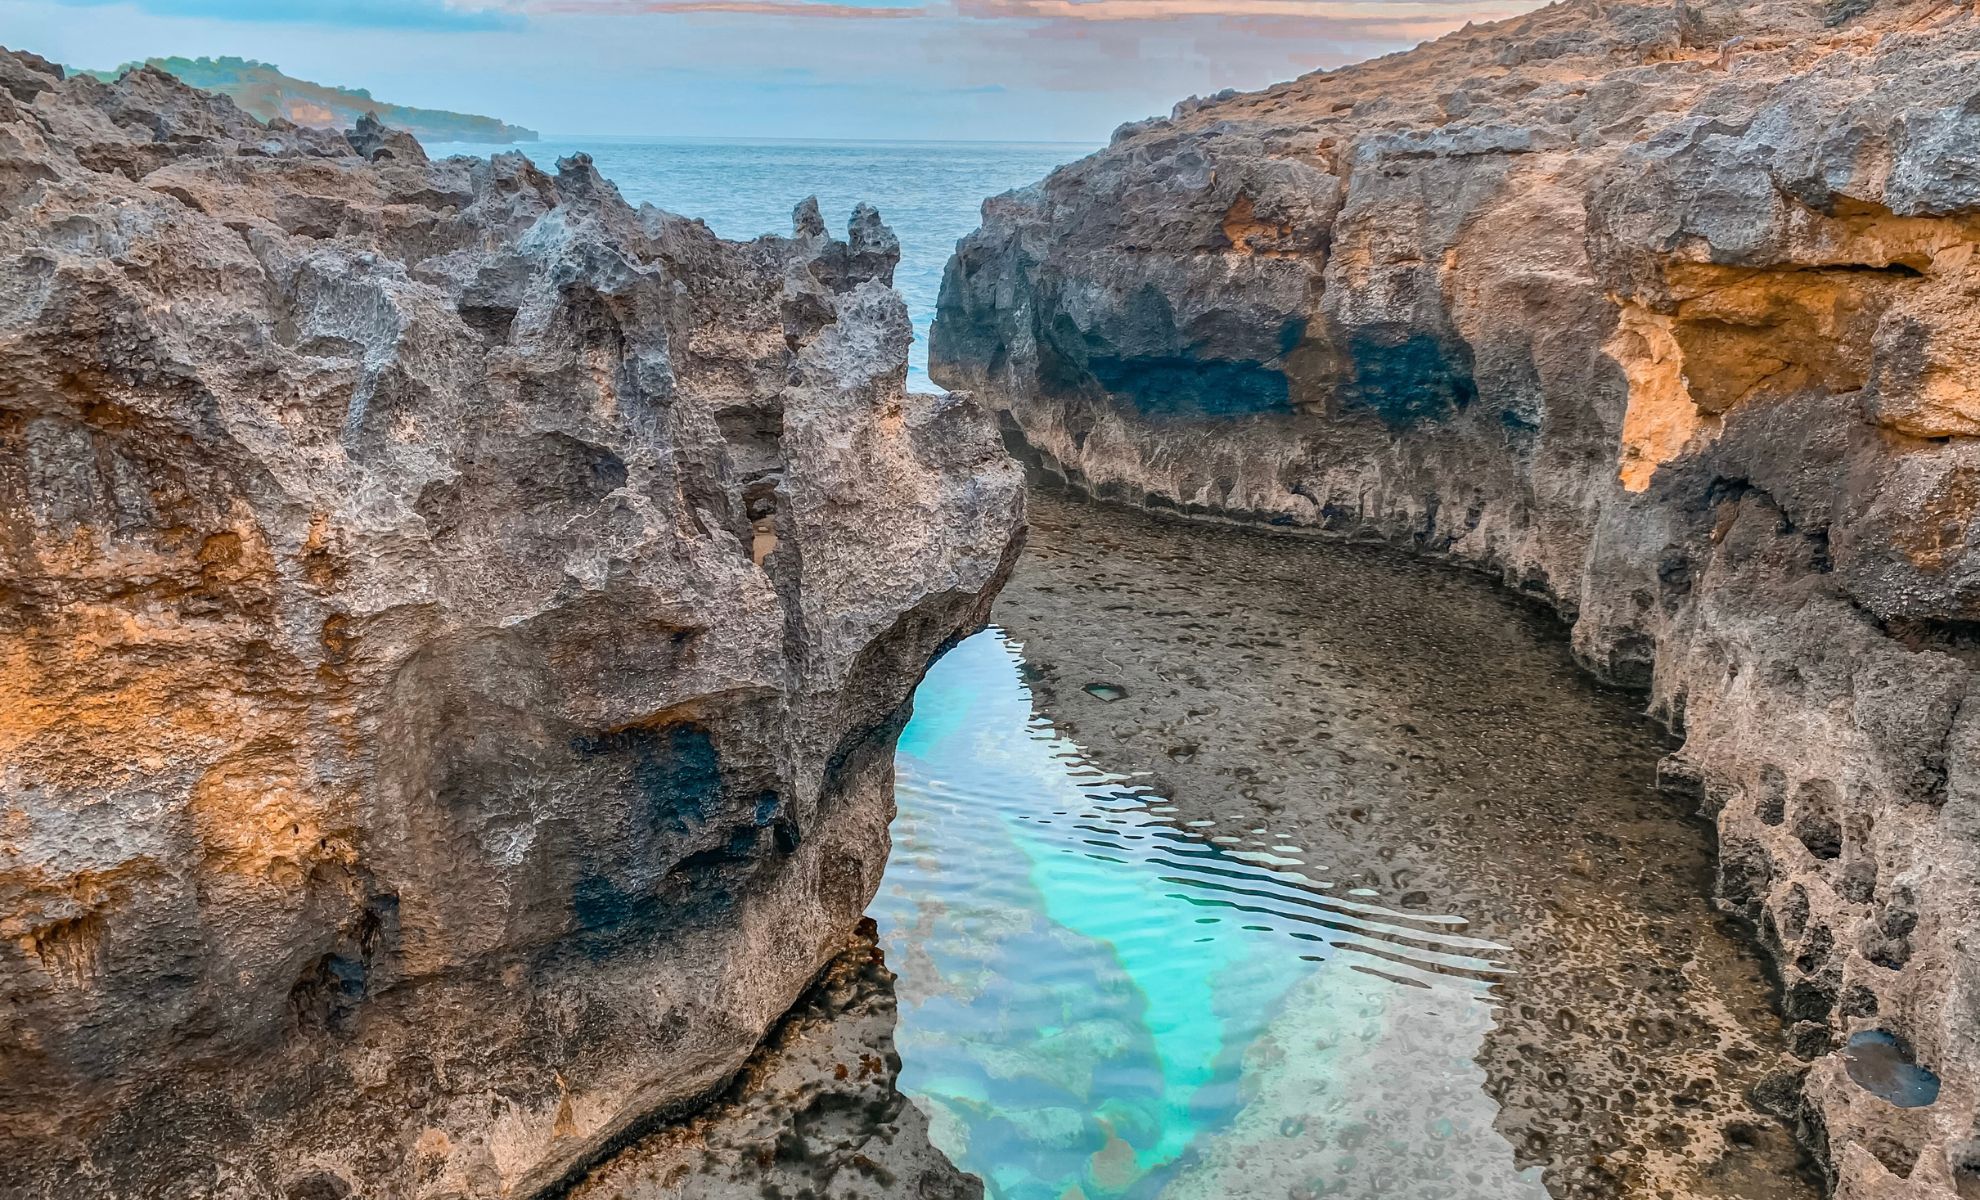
(265, 92)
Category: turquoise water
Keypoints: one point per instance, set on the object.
(928, 192)
(1099, 1001)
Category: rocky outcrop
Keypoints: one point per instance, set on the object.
(1664, 313)
(455, 626)
(817, 1112)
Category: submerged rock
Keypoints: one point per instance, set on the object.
(455, 628)
(1421, 747)
(1663, 313)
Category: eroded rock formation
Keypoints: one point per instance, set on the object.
(453, 628)
(817, 1112)
(1667, 313)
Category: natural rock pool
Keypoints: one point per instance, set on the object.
(1232, 865)
(1105, 1000)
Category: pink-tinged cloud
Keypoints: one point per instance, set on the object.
(1395, 15)
(1358, 12)
(1017, 70)
(758, 8)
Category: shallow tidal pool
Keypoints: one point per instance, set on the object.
(1210, 881)
(1100, 1001)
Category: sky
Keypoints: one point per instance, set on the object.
(993, 70)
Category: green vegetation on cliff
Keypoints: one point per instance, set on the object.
(264, 91)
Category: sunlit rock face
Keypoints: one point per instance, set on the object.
(1668, 314)
(454, 631)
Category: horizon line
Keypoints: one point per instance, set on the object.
(733, 138)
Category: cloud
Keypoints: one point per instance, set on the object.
(1355, 11)
(1012, 70)
(1367, 14)
(802, 9)
(1001, 69)
(1144, 53)
(356, 14)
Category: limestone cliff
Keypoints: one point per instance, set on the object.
(453, 628)
(1667, 313)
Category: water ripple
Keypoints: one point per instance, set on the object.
(1100, 1001)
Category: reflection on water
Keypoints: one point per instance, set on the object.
(1098, 1001)
(1879, 1064)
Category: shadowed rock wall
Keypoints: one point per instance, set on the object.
(453, 629)
(1665, 313)
(817, 1112)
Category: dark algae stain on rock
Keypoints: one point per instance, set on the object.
(1159, 371)
(1185, 386)
(675, 768)
(1418, 378)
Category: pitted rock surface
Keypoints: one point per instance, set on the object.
(817, 1112)
(455, 627)
(1664, 313)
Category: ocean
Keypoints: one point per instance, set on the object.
(929, 193)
